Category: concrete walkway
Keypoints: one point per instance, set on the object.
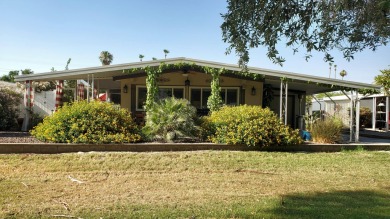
(369, 136)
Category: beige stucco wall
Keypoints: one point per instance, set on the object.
(196, 80)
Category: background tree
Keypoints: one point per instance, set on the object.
(384, 81)
(154, 58)
(343, 73)
(166, 52)
(323, 25)
(9, 109)
(141, 57)
(106, 57)
(10, 77)
(27, 71)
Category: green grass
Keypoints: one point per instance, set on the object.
(203, 184)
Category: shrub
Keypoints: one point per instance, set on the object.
(169, 120)
(83, 122)
(9, 109)
(327, 131)
(365, 117)
(249, 125)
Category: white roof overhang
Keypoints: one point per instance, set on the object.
(299, 82)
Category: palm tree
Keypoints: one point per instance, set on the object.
(106, 58)
(166, 52)
(343, 73)
(141, 57)
(335, 67)
(67, 64)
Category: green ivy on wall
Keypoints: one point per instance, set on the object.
(214, 102)
(151, 86)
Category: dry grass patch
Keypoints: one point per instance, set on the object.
(181, 184)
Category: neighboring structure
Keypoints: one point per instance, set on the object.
(378, 105)
(283, 92)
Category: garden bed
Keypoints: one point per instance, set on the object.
(22, 142)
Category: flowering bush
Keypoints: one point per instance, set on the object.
(83, 122)
(249, 125)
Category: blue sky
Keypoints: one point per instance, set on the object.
(42, 34)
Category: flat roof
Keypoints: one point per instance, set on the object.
(300, 82)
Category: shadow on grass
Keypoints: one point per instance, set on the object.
(338, 204)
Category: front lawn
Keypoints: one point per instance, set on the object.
(203, 184)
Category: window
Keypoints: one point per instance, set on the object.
(163, 92)
(230, 96)
(115, 96)
(199, 96)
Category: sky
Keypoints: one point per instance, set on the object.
(41, 34)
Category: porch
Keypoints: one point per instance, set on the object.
(283, 92)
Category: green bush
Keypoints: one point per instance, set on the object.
(365, 117)
(9, 109)
(83, 122)
(248, 125)
(327, 131)
(169, 120)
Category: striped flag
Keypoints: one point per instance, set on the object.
(29, 98)
(80, 91)
(59, 93)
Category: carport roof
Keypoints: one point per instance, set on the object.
(298, 82)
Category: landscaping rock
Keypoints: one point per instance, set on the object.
(17, 137)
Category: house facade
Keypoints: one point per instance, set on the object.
(125, 84)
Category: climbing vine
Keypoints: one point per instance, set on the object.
(214, 102)
(151, 86)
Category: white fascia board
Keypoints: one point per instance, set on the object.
(289, 75)
(266, 72)
(94, 70)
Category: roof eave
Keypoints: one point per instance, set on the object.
(267, 72)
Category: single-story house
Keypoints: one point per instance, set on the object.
(125, 84)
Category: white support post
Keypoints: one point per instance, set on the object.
(27, 106)
(387, 113)
(97, 89)
(77, 90)
(88, 89)
(93, 89)
(285, 104)
(351, 121)
(374, 113)
(357, 118)
(281, 101)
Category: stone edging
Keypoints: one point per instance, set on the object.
(48, 148)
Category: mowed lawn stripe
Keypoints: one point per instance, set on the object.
(220, 184)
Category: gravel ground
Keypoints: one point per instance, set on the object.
(17, 137)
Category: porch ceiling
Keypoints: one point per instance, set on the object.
(297, 82)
